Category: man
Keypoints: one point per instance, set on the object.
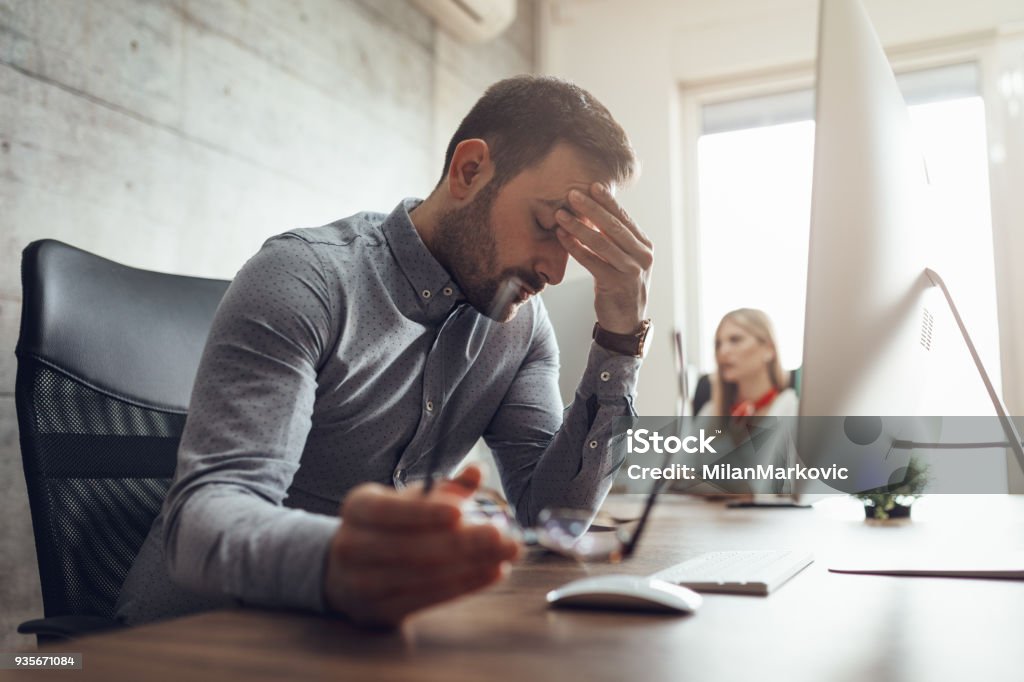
(345, 359)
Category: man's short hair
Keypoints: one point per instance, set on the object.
(522, 118)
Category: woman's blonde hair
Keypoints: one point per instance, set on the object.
(758, 325)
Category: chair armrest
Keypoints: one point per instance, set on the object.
(58, 628)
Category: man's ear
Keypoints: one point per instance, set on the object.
(471, 168)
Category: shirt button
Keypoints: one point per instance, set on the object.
(605, 376)
(447, 291)
(593, 445)
(425, 293)
(430, 406)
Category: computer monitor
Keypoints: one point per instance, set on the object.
(870, 325)
(864, 354)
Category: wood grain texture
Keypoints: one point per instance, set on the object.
(819, 626)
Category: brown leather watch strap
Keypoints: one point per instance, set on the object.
(627, 344)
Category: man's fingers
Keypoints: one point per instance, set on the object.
(608, 222)
(463, 485)
(598, 242)
(587, 258)
(368, 547)
(603, 196)
(375, 506)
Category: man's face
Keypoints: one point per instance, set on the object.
(501, 247)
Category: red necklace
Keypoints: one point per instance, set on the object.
(747, 408)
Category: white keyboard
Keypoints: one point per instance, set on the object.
(738, 572)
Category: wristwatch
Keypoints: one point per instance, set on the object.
(627, 344)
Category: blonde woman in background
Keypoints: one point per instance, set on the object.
(750, 381)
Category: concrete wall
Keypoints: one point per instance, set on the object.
(177, 135)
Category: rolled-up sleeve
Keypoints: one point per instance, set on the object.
(226, 531)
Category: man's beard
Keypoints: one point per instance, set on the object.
(464, 243)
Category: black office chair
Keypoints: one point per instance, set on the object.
(106, 360)
(702, 393)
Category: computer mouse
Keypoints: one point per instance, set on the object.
(625, 593)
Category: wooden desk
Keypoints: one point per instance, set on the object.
(820, 626)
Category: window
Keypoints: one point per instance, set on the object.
(754, 168)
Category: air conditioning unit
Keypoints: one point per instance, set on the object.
(471, 21)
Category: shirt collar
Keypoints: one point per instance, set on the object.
(436, 293)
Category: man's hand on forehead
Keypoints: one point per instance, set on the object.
(601, 236)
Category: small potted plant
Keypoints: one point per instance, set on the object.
(893, 501)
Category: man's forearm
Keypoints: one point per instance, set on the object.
(577, 467)
(224, 540)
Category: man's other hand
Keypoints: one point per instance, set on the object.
(400, 551)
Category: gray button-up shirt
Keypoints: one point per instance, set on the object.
(343, 354)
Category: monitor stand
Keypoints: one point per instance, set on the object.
(1013, 440)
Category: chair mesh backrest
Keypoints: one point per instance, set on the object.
(97, 469)
(107, 355)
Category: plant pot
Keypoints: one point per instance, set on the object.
(899, 511)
